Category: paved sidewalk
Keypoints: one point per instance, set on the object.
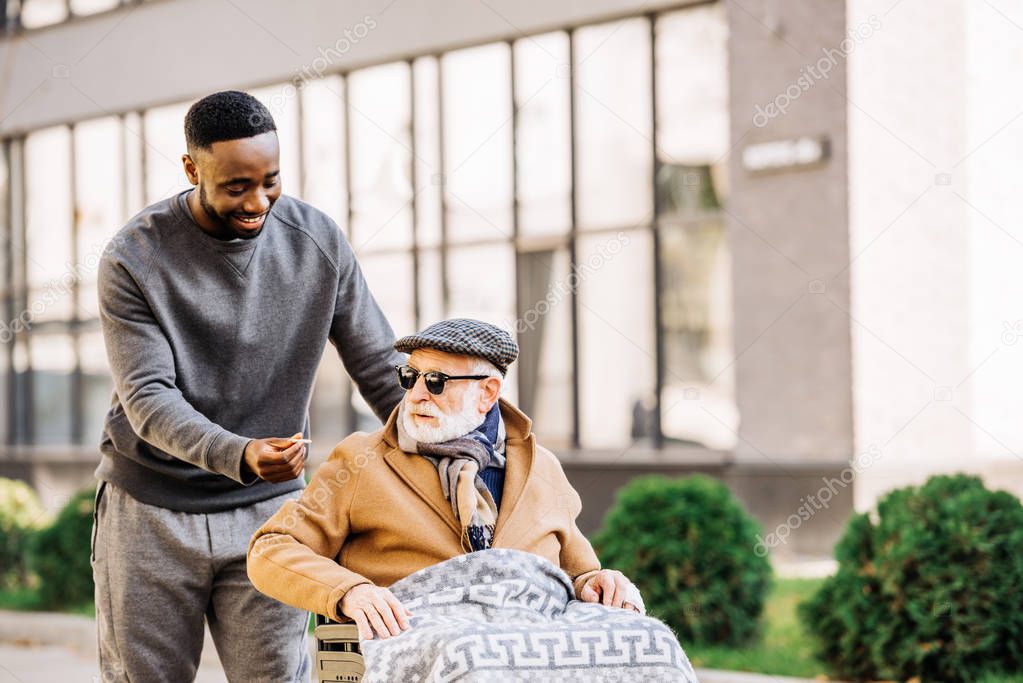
(46, 664)
(43, 647)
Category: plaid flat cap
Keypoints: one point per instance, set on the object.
(467, 337)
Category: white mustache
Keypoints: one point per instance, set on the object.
(426, 408)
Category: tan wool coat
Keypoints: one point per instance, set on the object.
(375, 514)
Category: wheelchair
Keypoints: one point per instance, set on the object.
(338, 655)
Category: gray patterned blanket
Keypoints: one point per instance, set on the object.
(508, 615)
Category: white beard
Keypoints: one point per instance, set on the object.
(450, 427)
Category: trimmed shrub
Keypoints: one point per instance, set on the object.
(931, 588)
(689, 546)
(60, 555)
(21, 514)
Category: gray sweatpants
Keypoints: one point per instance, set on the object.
(159, 573)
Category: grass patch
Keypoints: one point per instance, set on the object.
(28, 600)
(783, 649)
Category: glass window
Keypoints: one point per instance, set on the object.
(37, 13)
(380, 110)
(97, 386)
(323, 147)
(617, 348)
(697, 327)
(5, 378)
(5, 232)
(6, 333)
(477, 143)
(165, 144)
(543, 142)
(135, 193)
(19, 256)
(482, 281)
(696, 310)
(692, 103)
(328, 410)
(428, 179)
(48, 224)
(99, 190)
(282, 101)
(19, 376)
(430, 292)
(53, 361)
(613, 117)
(544, 329)
(390, 280)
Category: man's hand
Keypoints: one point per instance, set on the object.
(608, 587)
(373, 607)
(276, 459)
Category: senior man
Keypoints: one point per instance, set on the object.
(455, 469)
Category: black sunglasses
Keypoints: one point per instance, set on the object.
(435, 381)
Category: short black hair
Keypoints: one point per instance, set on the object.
(226, 115)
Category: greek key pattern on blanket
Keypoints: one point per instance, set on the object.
(507, 615)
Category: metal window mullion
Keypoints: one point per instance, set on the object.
(8, 300)
(77, 381)
(300, 118)
(26, 423)
(16, 427)
(125, 193)
(573, 237)
(659, 360)
(143, 160)
(515, 194)
(414, 180)
(443, 185)
(346, 135)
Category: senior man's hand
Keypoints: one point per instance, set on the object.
(373, 607)
(608, 587)
(275, 459)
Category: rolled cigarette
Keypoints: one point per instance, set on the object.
(300, 440)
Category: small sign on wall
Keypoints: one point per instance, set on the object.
(784, 155)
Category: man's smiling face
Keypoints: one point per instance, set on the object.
(237, 182)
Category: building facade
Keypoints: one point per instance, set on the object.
(681, 209)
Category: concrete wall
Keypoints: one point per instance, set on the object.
(790, 248)
(789, 238)
(168, 51)
(933, 199)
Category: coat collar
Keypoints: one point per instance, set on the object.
(421, 476)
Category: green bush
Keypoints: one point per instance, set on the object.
(21, 514)
(932, 587)
(689, 547)
(60, 555)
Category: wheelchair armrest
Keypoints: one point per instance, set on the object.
(338, 653)
(334, 632)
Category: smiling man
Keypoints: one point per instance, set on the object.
(216, 305)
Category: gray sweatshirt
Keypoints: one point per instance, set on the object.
(212, 343)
